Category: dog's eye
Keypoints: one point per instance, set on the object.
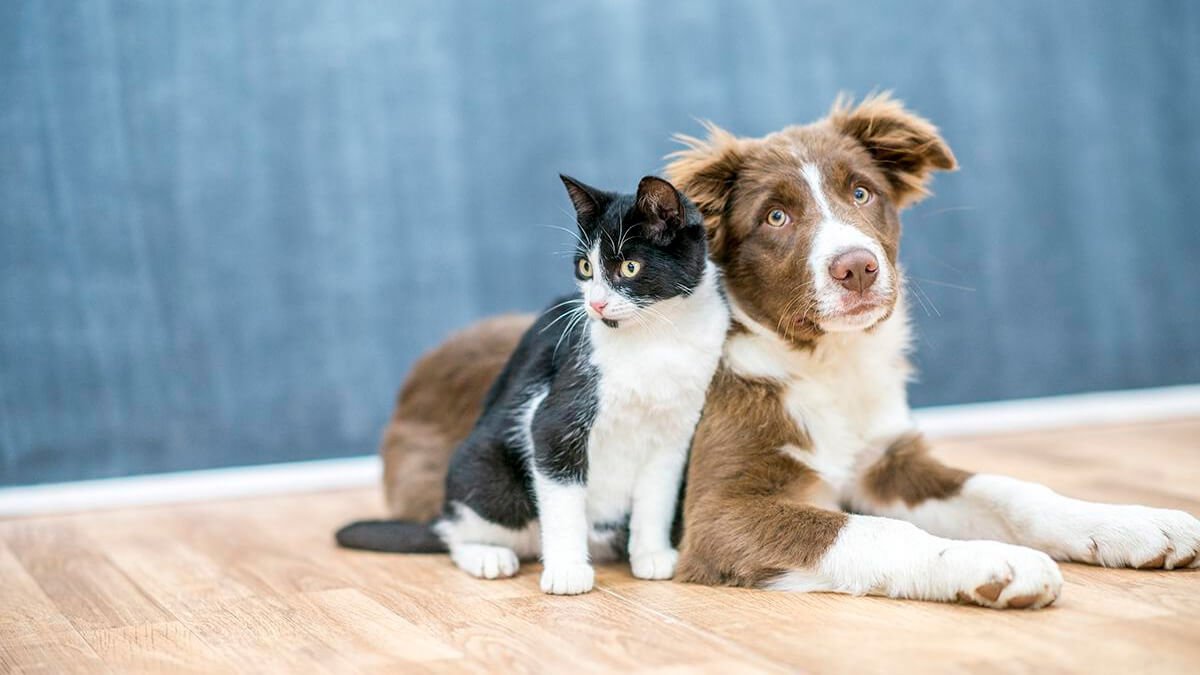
(861, 195)
(778, 218)
(585, 268)
(630, 268)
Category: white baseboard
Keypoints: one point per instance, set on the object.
(190, 486)
(1057, 412)
(1117, 407)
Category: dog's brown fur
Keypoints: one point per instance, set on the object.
(436, 409)
(906, 471)
(745, 495)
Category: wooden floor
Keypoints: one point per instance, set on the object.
(257, 586)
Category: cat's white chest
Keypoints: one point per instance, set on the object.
(650, 394)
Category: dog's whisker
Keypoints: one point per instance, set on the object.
(947, 284)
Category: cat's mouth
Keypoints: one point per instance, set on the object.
(610, 323)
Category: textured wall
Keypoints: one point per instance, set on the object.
(227, 228)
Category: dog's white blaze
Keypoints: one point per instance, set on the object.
(812, 176)
(834, 237)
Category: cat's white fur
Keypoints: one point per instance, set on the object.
(653, 377)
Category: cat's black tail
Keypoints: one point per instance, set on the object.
(391, 536)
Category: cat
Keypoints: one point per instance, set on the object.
(580, 451)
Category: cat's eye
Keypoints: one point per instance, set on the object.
(630, 268)
(861, 195)
(778, 218)
(585, 268)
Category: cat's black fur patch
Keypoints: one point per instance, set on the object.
(670, 266)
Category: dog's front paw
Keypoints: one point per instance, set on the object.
(1129, 536)
(999, 575)
(655, 564)
(568, 579)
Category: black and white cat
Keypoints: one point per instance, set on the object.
(580, 451)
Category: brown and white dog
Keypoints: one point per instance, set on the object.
(806, 471)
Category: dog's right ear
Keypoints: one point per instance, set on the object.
(705, 171)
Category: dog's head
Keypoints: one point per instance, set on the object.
(805, 222)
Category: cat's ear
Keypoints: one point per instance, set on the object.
(662, 207)
(589, 202)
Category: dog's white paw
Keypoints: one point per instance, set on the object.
(568, 579)
(655, 564)
(1127, 536)
(999, 575)
(485, 562)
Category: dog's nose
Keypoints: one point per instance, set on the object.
(855, 269)
(599, 305)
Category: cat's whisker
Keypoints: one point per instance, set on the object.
(570, 232)
(579, 315)
(571, 301)
(564, 315)
(566, 330)
(610, 239)
(655, 313)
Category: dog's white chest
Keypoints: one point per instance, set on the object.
(847, 394)
(845, 422)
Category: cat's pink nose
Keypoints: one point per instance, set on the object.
(599, 305)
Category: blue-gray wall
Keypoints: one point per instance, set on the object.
(227, 228)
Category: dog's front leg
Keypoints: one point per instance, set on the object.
(883, 556)
(774, 544)
(907, 483)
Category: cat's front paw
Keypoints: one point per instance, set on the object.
(1129, 536)
(655, 564)
(568, 579)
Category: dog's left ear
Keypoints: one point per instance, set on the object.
(907, 147)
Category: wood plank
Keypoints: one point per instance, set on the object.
(359, 627)
(72, 570)
(156, 647)
(35, 637)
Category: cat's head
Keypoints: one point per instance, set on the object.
(635, 250)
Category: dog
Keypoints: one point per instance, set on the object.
(807, 472)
